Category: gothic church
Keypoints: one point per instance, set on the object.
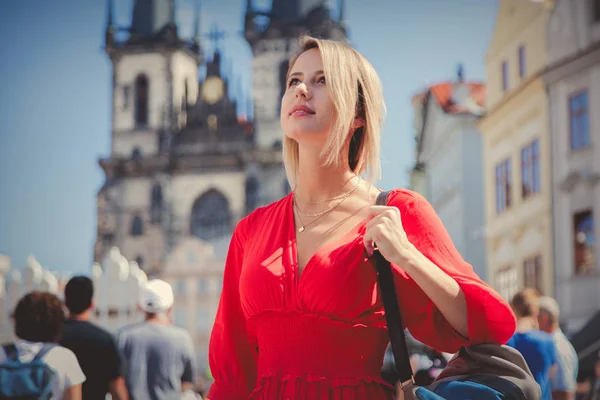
(183, 163)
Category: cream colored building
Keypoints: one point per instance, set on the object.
(196, 275)
(573, 81)
(516, 151)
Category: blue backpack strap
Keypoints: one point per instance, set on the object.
(11, 351)
(43, 351)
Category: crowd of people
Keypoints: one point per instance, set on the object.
(550, 356)
(151, 359)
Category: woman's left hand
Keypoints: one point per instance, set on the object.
(385, 231)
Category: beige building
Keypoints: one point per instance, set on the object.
(573, 81)
(196, 275)
(516, 151)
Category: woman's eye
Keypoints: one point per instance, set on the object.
(321, 80)
(293, 81)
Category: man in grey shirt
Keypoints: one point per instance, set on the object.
(160, 360)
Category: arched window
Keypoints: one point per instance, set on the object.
(136, 154)
(156, 204)
(141, 100)
(137, 226)
(252, 194)
(211, 217)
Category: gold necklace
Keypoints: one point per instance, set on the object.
(333, 198)
(302, 224)
(342, 198)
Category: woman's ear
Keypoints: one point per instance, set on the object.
(358, 123)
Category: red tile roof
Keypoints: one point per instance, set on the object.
(442, 92)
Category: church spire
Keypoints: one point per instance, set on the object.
(151, 16)
(197, 23)
(110, 26)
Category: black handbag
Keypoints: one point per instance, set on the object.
(482, 371)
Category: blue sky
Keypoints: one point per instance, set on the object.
(55, 100)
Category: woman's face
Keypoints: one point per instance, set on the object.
(306, 108)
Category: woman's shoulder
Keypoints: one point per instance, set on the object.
(403, 198)
(264, 216)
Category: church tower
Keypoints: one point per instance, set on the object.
(155, 77)
(273, 36)
(183, 168)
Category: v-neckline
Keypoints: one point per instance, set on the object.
(328, 245)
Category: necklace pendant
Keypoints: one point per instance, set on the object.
(301, 229)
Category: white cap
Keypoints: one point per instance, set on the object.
(156, 296)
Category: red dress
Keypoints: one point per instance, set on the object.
(323, 335)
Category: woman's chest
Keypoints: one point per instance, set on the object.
(338, 279)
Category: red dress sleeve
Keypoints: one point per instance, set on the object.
(232, 351)
(490, 318)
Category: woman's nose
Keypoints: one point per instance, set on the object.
(302, 90)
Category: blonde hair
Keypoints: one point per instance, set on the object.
(356, 91)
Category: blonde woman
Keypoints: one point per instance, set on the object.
(300, 316)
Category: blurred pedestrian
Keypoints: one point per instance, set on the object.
(38, 324)
(564, 381)
(160, 358)
(537, 347)
(95, 348)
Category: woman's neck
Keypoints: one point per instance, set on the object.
(316, 182)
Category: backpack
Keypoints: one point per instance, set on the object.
(26, 381)
(476, 372)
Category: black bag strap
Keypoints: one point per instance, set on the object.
(392, 310)
(11, 351)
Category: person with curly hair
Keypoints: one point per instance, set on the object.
(38, 324)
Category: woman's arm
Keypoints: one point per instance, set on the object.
(443, 302)
(232, 355)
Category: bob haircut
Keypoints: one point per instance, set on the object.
(356, 92)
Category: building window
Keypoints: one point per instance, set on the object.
(202, 320)
(141, 100)
(202, 286)
(252, 194)
(585, 255)
(179, 317)
(579, 122)
(211, 217)
(137, 226)
(180, 286)
(504, 76)
(532, 273)
(136, 154)
(506, 282)
(140, 261)
(503, 186)
(156, 204)
(522, 62)
(596, 10)
(530, 169)
(126, 97)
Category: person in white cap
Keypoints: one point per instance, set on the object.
(564, 382)
(159, 356)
